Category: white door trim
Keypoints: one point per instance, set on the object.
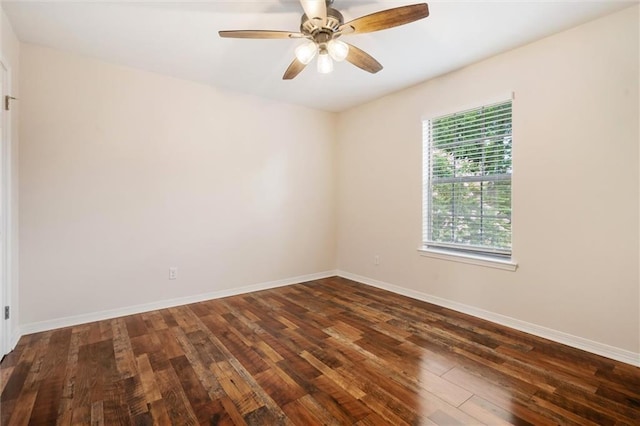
(6, 219)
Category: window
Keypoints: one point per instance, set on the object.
(467, 182)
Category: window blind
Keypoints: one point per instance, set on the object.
(467, 167)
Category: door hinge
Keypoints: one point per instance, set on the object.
(6, 312)
(7, 102)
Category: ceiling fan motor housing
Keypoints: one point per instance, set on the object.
(311, 28)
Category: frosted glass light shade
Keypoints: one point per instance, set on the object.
(325, 64)
(338, 50)
(306, 52)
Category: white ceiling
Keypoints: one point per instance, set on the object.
(180, 39)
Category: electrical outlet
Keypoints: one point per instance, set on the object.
(173, 272)
(376, 260)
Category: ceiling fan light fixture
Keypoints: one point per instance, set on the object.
(321, 25)
(325, 64)
(306, 52)
(339, 50)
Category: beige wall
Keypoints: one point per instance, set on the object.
(10, 50)
(575, 184)
(125, 173)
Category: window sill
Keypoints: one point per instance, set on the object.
(472, 259)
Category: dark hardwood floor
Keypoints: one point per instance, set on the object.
(324, 352)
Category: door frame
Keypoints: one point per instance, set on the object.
(7, 341)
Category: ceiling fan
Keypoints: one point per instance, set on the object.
(322, 26)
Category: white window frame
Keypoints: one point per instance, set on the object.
(499, 258)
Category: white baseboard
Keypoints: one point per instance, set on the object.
(602, 349)
(15, 336)
(37, 327)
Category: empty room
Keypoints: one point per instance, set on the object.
(310, 212)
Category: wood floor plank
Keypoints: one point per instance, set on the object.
(301, 415)
(21, 412)
(334, 376)
(45, 407)
(326, 352)
(280, 387)
(231, 413)
(197, 351)
(114, 404)
(196, 393)
(97, 413)
(65, 410)
(44, 369)
(159, 413)
(491, 414)
(240, 392)
(487, 386)
(350, 406)
(175, 401)
(125, 359)
(15, 381)
(148, 380)
(134, 396)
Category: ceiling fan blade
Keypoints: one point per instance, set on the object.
(294, 69)
(363, 60)
(259, 34)
(387, 18)
(315, 10)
